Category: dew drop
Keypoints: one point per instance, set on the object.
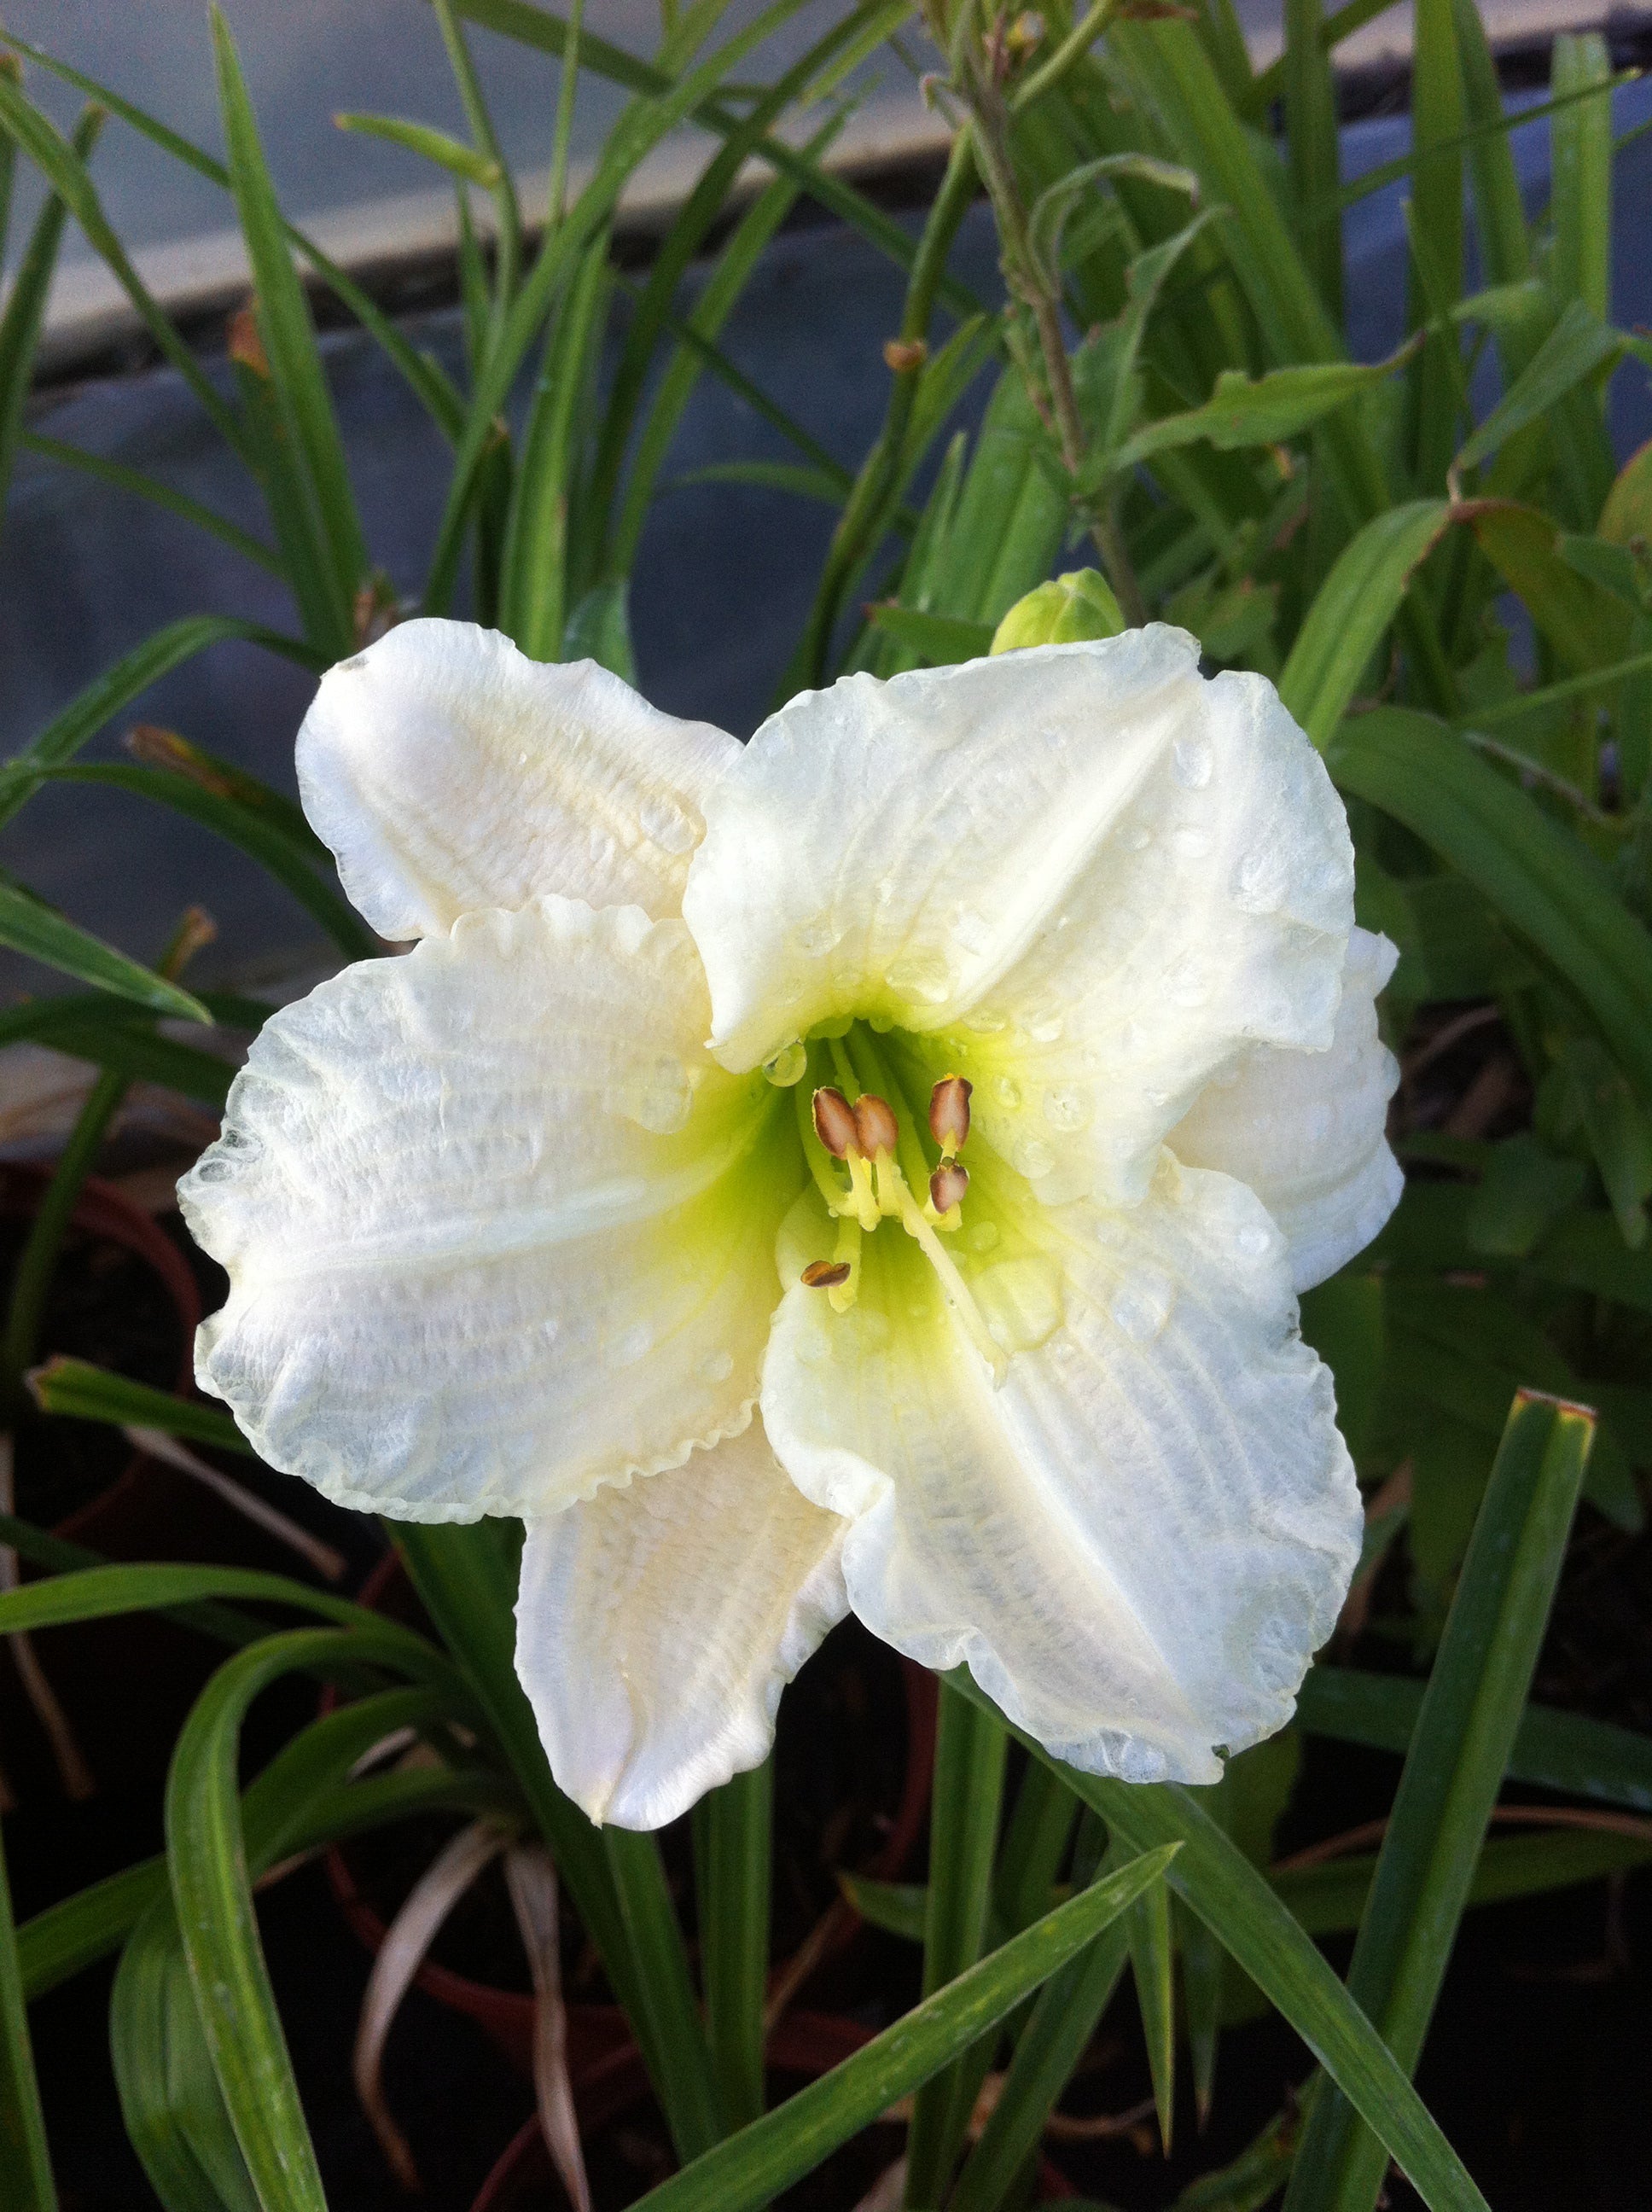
(636, 1344)
(1192, 757)
(1257, 882)
(1254, 1240)
(1137, 839)
(972, 930)
(1191, 844)
(1047, 1030)
(983, 1236)
(1035, 1158)
(1009, 1091)
(718, 1367)
(1020, 1301)
(926, 980)
(1067, 1108)
(880, 1025)
(787, 1065)
(985, 1022)
(662, 1100)
(816, 939)
(663, 820)
(1141, 1305)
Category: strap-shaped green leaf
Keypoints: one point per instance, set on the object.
(25, 313)
(1579, 344)
(1258, 1932)
(1453, 1770)
(447, 152)
(1568, 1752)
(970, 1747)
(1352, 611)
(762, 2160)
(24, 2160)
(1242, 411)
(76, 1388)
(29, 926)
(1538, 877)
(733, 1857)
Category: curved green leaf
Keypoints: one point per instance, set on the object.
(1353, 611)
(1538, 877)
(29, 926)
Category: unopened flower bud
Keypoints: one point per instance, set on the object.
(875, 1124)
(825, 1274)
(1072, 608)
(949, 1113)
(834, 1123)
(947, 1186)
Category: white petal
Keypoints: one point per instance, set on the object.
(1306, 1129)
(1137, 1543)
(657, 1625)
(448, 772)
(1089, 875)
(497, 1227)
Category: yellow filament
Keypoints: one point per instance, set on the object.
(843, 1295)
(954, 1289)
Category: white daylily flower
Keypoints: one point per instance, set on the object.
(502, 1219)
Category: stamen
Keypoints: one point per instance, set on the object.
(947, 1186)
(834, 1122)
(825, 1274)
(949, 1114)
(875, 1125)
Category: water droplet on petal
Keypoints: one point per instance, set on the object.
(818, 938)
(635, 1345)
(983, 1236)
(1034, 1159)
(1047, 1030)
(662, 1098)
(1254, 1240)
(1137, 838)
(787, 1065)
(925, 980)
(1020, 1301)
(1142, 1304)
(663, 820)
(973, 931)
(1009, 1091)
(1193, 762)
(1191, 844)
(985, 1022)
(1066, 1108)
(718, 1367)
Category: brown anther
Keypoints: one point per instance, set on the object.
(245, 342)
(904, 354)
(825, 1274)
(949, 1113)
(876, 1127)
(947, 1186)
(834, 1122)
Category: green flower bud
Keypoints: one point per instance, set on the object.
(1066, 612)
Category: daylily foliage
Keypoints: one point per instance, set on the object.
(558, 1215)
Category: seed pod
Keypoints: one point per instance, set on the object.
(949, 1113)
(875, 1124)
(825, 1274)
(947, 1186)
(834, 1123)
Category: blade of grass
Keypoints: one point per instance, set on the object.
(24, 2160)
(970, 1749)
(21, 324)
(1465, 1732)
(81, 1392)
(1152, 1961)
(1580, 203)
(284, 317)
(762, 2160)
(258, 835)
(1353, 611)
(1218, 1883)
(1310, 118)
(1437, 124)
(118, 686)
(211, 1892)
(428, 382)
(738, 1830)
(1537, 876)
(139, 485)
(1562, 1751)
(1066, 2016)
(61, 165)
(29, 926)
(509, 265)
